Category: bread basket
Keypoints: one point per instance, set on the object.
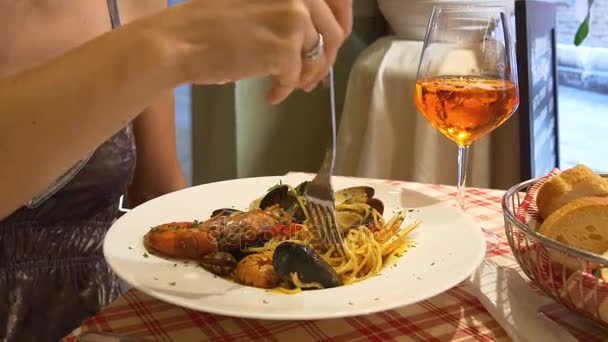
(570, 276)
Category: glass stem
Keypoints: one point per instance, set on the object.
(463, 160)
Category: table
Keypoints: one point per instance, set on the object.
(455, 315)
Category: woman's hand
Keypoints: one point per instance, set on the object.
(228, 40)
(343, 12)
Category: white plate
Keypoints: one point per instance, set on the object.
(449, 247)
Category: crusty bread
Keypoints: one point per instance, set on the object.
(573, 183)
(582, 223)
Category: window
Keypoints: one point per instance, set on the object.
(583, 86)
(183, 124)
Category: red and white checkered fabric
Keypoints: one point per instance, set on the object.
(455, 315)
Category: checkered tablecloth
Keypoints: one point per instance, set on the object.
(455, 315)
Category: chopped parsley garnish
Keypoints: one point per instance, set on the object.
(145, 255)
(172, 283)
(130, 247)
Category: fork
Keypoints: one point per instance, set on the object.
(319, 194)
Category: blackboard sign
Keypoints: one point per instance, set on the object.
(535, 29)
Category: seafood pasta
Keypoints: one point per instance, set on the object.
(273, 245)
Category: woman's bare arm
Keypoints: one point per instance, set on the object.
(54, 114)
(158, 170)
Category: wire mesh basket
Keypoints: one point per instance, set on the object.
(570, 276)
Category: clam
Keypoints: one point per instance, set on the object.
(355, 194)
(348, 219)
(301, 266)
(359, 194)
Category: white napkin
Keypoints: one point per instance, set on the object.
(511, 301)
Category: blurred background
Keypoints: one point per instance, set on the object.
(229, 131)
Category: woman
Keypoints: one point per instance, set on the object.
(86, 115)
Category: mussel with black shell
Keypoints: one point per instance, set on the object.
(287, 198)
(299, 265)
(224, 212)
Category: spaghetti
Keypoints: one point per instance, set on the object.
(366, 252)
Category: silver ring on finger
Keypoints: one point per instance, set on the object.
(317, 50)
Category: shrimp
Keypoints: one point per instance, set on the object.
(226, 233)
(257, 270)
(181, 240)
(237, 230)
(391, 228)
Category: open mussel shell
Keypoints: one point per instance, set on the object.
(287, 200)
(355, 194)
(302, 187)
(293, 259)
(376, 204)
(224, 212)
(280, 195)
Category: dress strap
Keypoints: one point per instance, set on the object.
(114, 15)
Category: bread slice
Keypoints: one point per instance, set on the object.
(582, 223)
(573, 183)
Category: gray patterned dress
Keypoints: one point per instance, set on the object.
(52, 271)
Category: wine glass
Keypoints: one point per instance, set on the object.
(467, 78)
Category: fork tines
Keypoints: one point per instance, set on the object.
(323, 216)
